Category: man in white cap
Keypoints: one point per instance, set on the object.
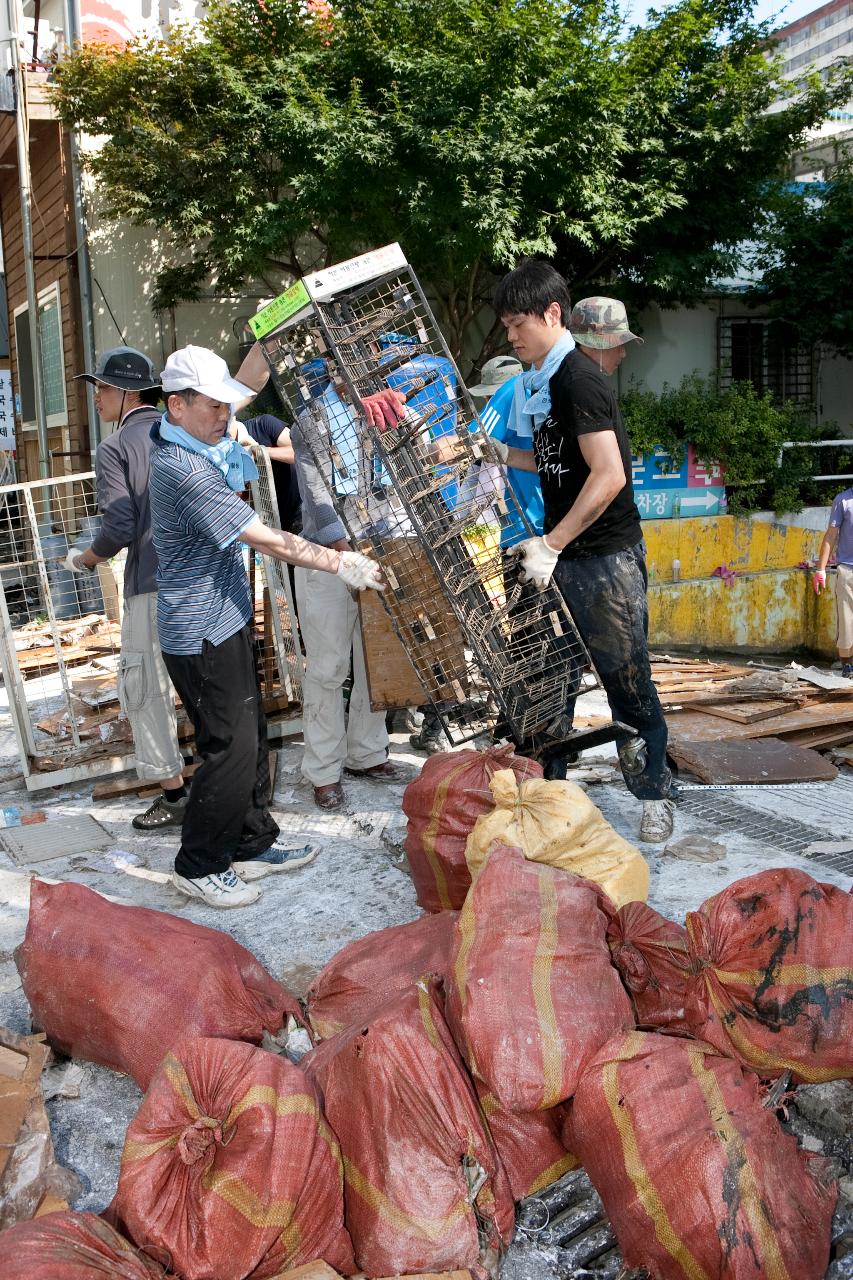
(127, 392)
(592, 545)
(205, 619)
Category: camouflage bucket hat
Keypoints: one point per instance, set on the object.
(601, 322)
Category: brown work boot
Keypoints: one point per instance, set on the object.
(330, 796)
(385, 772)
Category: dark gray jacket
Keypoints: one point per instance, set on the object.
(320, 521)
(123, 469)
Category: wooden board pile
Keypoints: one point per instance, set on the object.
(81, 640)
(755, 709)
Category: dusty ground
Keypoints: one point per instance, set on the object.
(356, 885)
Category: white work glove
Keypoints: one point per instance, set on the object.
(538, 561)
(819, 580)
(359, 572)
(491, 449)
(73, 562)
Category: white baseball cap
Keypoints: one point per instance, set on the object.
(495, 373)
(198, 369)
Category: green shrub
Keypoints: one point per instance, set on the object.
(737, 427)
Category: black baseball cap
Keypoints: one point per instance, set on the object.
(125, 368)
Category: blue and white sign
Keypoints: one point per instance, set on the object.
(669, 504)
(656, 470)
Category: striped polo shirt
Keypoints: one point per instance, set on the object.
(202, 586)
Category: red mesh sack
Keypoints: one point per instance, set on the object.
(533, 993)
(119, 985)
(421, 1174)
(530, 1146)
(698, 1179)
(72, 1246)
(773, 959)
(651, 955)
(442, 805)
(229, 1169)
(366, 973)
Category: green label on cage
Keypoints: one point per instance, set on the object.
(279, 310)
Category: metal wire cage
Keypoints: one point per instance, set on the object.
(61, 635)
(279, 607)
(424, 497)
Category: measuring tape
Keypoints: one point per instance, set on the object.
(684, 787)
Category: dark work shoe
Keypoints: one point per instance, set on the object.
(431, 741)
(161, 813)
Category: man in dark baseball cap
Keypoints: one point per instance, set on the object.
(127, 392)
(125, 368)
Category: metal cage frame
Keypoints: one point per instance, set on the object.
(510, 657)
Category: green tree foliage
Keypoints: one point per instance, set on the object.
(736, 426)
(270, 140)
(806, 261)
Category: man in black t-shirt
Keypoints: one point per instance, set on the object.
(592, 542)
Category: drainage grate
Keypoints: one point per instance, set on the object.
(788, 834)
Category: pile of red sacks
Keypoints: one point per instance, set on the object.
(461, 1063)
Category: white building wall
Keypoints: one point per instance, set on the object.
(675, 343)
(125, 260)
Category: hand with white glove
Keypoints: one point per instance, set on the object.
(819, 580)
(538, 561)
(492, 450)
(359, 572)
(73, 562)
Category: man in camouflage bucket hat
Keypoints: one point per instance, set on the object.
(601, 323)
(592, 545)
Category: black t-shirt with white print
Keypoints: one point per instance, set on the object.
(582, 402)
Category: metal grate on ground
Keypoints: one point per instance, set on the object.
(787, 834)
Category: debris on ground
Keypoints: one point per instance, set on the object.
(29, 1172)
(694, 848)
(714, 702)
(445, 1096)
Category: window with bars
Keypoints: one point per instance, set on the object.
(765, 353)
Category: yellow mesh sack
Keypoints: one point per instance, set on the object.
(556, 823)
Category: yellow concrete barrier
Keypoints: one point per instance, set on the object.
(769, 607)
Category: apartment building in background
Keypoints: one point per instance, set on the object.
(816, 42)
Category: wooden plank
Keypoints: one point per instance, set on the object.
(822, 736)
(391, 679)
(765, 760)
(112, 787)
(745, 712)
(697, 726)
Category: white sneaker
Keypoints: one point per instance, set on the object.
(221, 890)
(657, 823)
(277, 858)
